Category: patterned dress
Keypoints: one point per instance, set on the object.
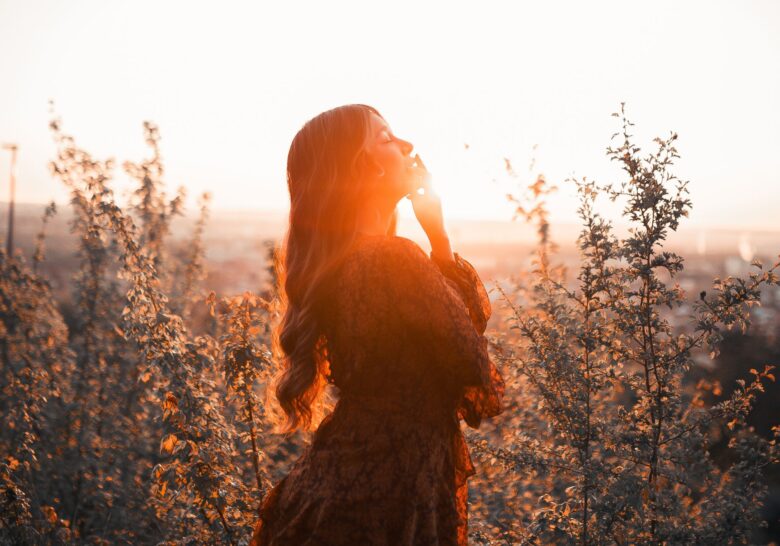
(407, 353)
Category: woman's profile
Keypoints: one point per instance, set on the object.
(398, 333)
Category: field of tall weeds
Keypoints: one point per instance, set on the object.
(128, 421)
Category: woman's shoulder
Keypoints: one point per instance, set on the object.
(388, 257)
(377, 248)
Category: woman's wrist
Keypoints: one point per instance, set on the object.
(441, 249)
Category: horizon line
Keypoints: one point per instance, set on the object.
(455, 217)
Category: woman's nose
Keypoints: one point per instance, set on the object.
(406, 146)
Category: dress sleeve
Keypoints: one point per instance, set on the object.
(447, 302)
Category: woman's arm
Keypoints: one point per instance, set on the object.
(440, 248)
(449, 312)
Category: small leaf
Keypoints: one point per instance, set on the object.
(13, 463)
(49, 513)
(168, 443)
(170, 402)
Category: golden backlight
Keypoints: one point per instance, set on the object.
(468, 85)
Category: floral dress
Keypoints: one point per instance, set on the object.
(388, 466)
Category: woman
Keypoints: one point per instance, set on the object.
(398, 333)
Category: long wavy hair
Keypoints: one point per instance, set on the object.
(326, 168)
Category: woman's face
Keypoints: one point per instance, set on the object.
(391, 154)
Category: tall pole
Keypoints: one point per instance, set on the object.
(9, 248)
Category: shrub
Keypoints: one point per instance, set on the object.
(615, 450)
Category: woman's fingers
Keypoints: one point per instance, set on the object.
(425, 181)
(422, 185)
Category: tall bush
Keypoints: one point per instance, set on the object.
(618, 450)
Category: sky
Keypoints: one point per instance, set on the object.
(468, 83)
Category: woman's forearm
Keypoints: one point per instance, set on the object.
(440, 247)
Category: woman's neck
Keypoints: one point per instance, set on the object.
(375, 220)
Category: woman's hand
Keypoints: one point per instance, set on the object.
(427, 204)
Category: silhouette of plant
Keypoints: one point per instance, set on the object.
(123, 426)
(619, 453)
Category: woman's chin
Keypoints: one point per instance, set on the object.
(408, 186)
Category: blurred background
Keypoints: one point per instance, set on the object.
(492, 95)
(472, 87)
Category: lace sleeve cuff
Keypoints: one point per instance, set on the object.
(484, 400)
(469, 286)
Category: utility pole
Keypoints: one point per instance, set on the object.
(10, 240)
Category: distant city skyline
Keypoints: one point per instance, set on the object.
(248, 224)
(230, 86)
